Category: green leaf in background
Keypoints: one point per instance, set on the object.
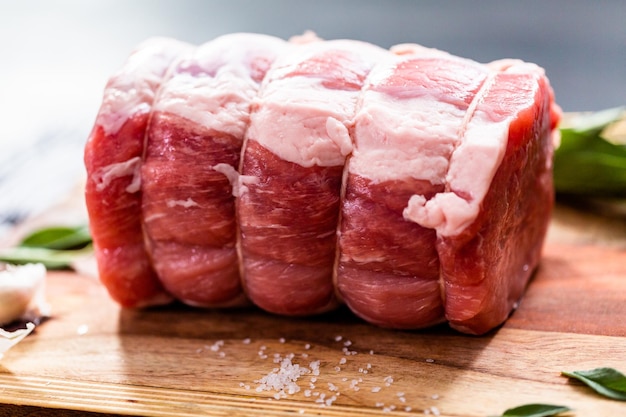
(586, 163)
(59, 238)
(605, 381)
(51, 258)
(56, 247)
(592, 123)
(535, 410)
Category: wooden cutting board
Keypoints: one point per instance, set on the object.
(91, 356)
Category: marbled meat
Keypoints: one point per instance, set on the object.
(410, 184)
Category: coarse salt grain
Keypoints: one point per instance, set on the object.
(217, 345)
(348, 352)
(281, 340)
(376, 389)
(307, 346)
(338, 338)
(321, 397)
(283, 379)
(246, 341)
(342, 361)
(429, 360)
(315, 367)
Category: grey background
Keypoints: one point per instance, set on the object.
(582, 44)
(56, 56)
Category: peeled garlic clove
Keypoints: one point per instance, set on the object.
(22, 293)
(10, 339)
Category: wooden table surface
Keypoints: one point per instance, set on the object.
(93, 357)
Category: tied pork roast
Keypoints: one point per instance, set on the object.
(412, 185)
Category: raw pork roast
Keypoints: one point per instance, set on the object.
(412, 185)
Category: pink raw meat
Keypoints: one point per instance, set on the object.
(407, 126)
(486, 267)
(292, 166)
(192, 155)
(113, 159)
(413, 185)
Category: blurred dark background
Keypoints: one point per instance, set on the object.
(56, 57)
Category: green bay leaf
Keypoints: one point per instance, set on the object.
(535, 410)
(592, 122)
(58, 237)
(50, 258)
(585, 163)
(605, 381)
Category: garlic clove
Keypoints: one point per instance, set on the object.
(10, 339)
(22, 293)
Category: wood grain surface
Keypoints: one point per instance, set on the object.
(93, 357)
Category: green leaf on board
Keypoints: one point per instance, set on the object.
(535, 410)
(605, 381)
